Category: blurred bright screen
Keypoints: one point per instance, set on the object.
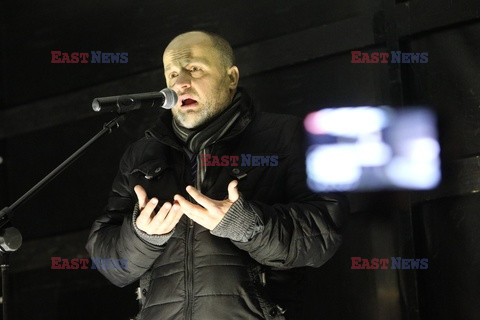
(372, 148)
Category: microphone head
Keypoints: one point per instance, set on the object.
(96, 105)
(171, 98)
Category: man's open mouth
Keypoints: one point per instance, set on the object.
(187, 102)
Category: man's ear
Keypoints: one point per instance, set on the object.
(233, 75)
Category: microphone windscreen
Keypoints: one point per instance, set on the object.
(171, 98)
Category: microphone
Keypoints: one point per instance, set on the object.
(167, 99)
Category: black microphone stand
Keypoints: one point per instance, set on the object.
(10, 238)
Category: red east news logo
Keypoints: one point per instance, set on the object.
(75, 263)
(383, 57)
(83, 57)
(97, 263)
(247, 160)
(396, 263)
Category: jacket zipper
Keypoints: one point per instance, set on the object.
(189, 262)
(189, 270)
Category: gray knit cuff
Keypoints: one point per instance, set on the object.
(240, 223)
(157, 240)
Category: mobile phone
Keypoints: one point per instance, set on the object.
(372, 148)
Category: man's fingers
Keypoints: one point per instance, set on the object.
(149, 207)
(173, 216)
(158, 219)
(145, 216)
(233, 194)
(188, 207)
(141, 195)
(203, 200)
(152, 222)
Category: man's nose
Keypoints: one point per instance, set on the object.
(183, 80)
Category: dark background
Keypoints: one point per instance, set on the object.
(294, 57)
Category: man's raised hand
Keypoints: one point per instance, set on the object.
(158, 223)
(209, 212)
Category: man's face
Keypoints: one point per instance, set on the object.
(193, 69)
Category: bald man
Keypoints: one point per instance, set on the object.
(211, 209)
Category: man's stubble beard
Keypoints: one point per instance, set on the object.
(184, 118)
(204, 113)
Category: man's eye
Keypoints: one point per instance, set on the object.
(193, 69)
(172, 75)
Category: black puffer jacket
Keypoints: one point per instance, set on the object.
(197, 275)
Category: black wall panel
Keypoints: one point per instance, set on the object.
(143, 30)
(447, 233)
(450, 83)
(329, 82)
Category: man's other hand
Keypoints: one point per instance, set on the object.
(158, 223)
(209, 212)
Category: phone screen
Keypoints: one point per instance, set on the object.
(372, 148)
